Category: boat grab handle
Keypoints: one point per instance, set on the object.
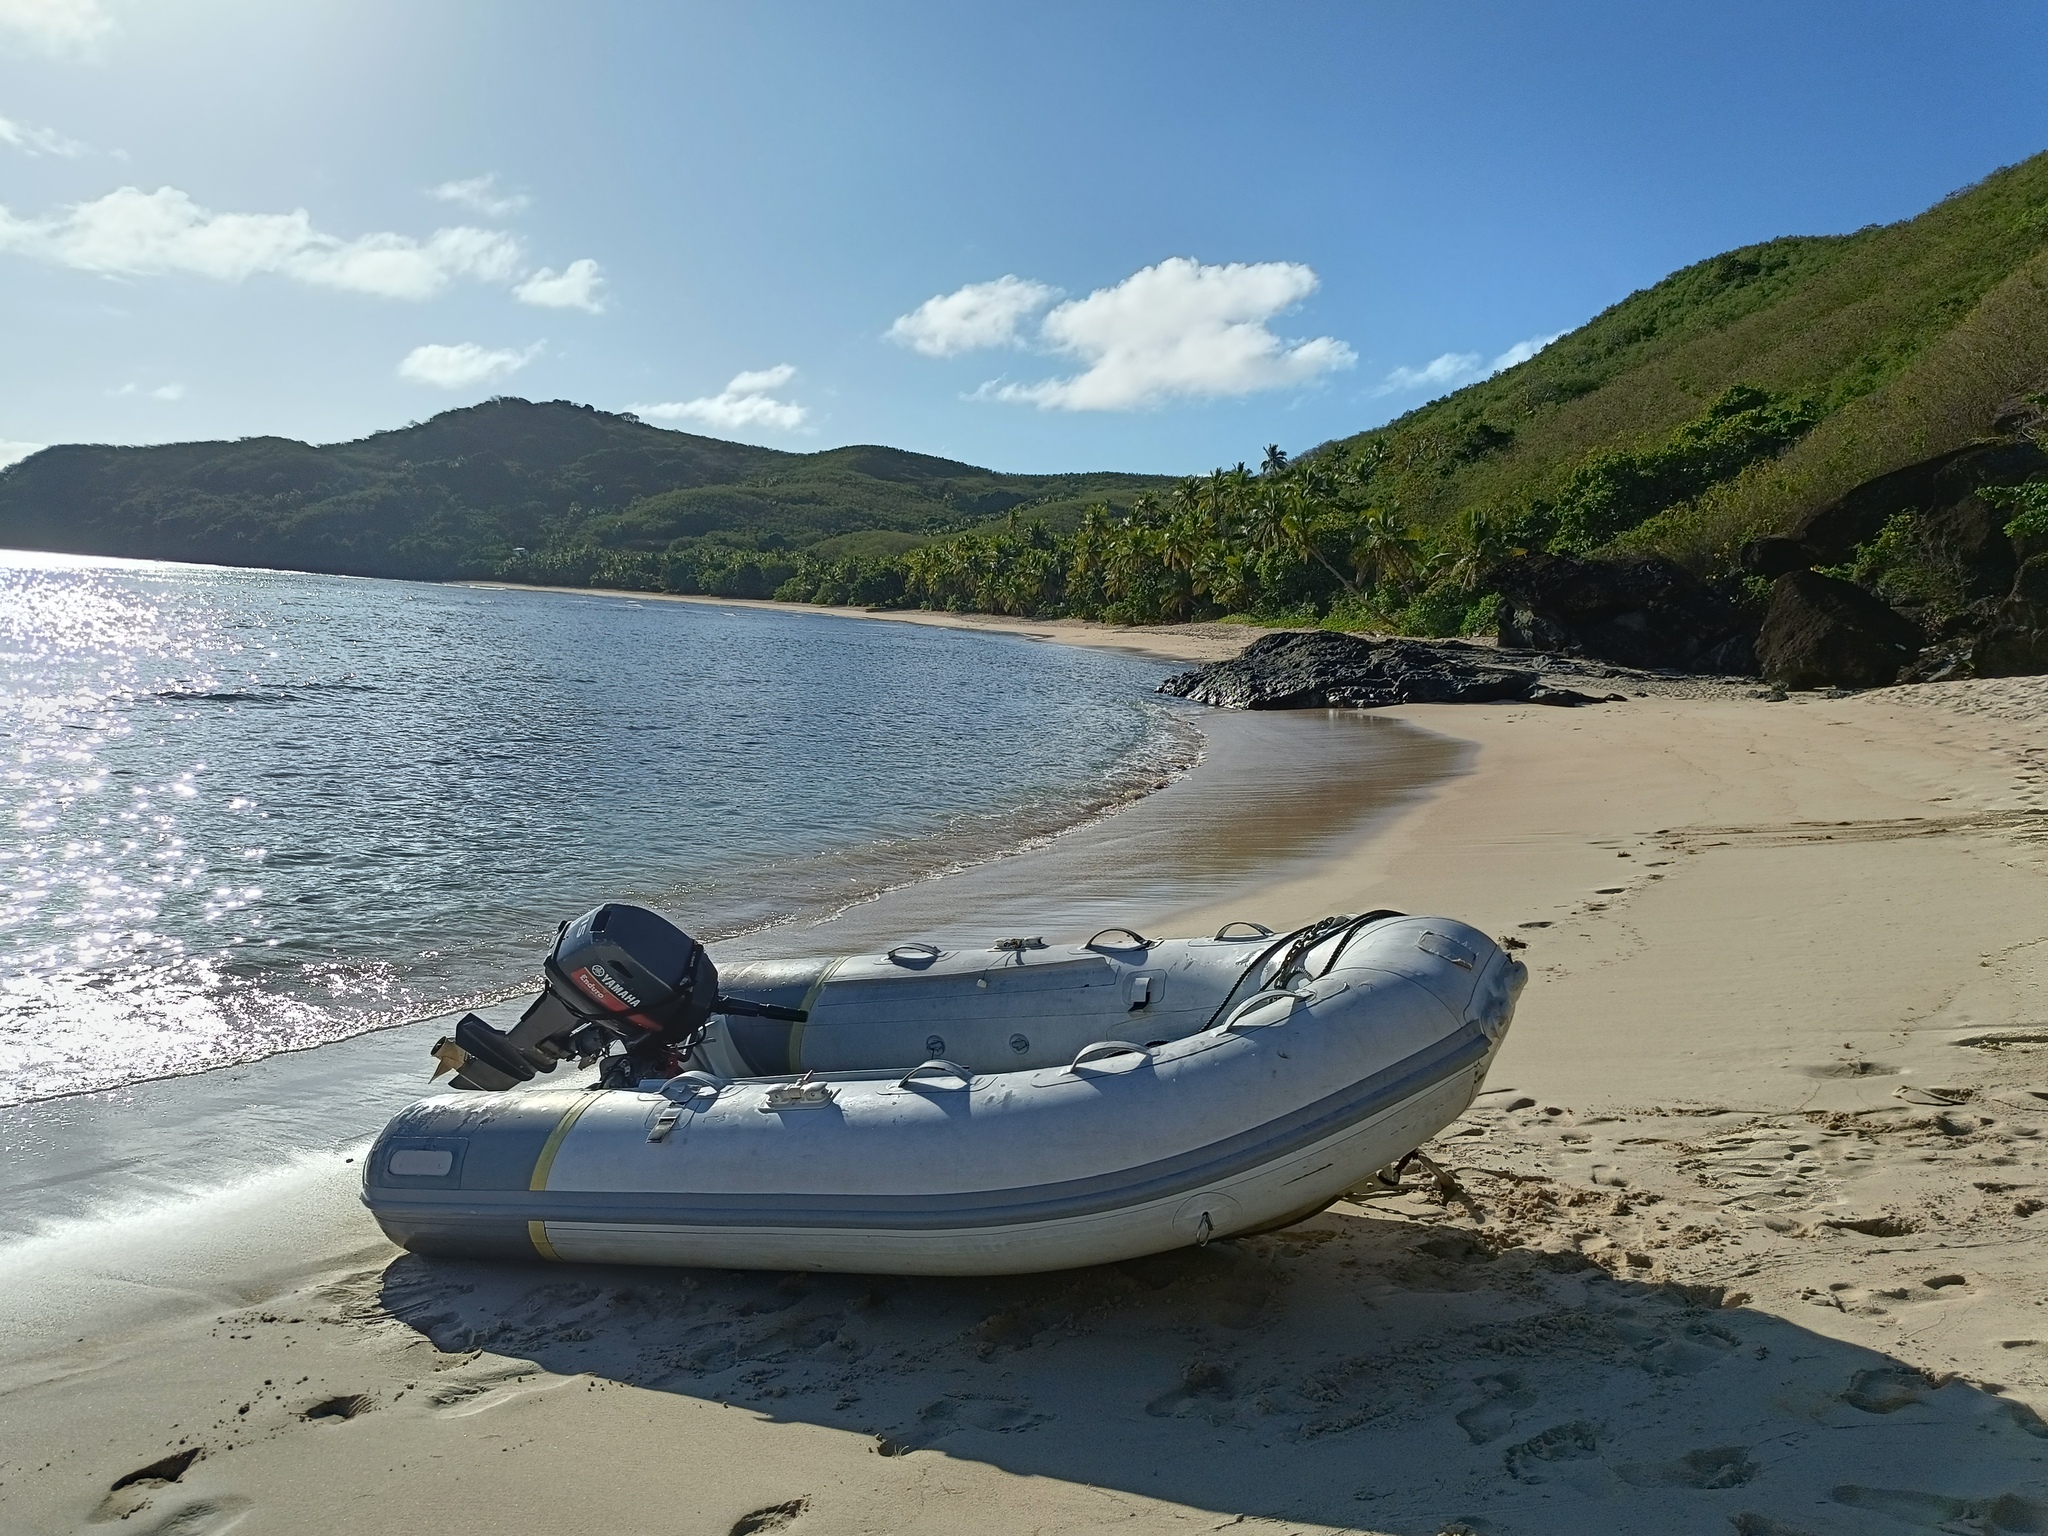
(1107, 1048)
(1258, 930)
(919, 952)
(937, 1064)
(1258, 1000)
(1138, 940)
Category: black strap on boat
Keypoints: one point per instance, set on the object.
(754, 1010)
(1302, 940)
(1260, 959)
(1352, 932)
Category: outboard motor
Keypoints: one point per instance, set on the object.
(619, 975)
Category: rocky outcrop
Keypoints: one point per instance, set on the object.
(1319, 669)
(1832, 532)
(1771, 558)
(1970, 538)
(1970, 597)
(1822, 632)
(1999, 637)
(1640, 612)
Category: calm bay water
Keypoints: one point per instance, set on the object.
(253, 811)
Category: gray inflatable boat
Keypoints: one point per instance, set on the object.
(937, 1111)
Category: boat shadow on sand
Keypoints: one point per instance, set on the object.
(1356, 1371)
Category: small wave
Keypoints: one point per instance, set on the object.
(279, 693)
(220, 696)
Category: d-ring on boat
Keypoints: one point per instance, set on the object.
(942, 1111)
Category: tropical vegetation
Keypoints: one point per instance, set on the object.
(1718, 405)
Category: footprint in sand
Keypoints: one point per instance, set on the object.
(1721, 1466)
(1535, 1460)
(770, 1517)
(998, 1415)
(335, 1409)
(1999, 1513)
(1202, 1381)
(1887, 1389)
(133, 1492)
(1494, 1415)
(192, 1517)
(458, 1397)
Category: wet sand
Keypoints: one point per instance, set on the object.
(1744, 1236)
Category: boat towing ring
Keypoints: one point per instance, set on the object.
(1202, 1217)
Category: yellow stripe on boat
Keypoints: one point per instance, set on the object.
(545, 1163)
(796, 1031)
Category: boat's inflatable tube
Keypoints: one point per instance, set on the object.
(1325, 1063)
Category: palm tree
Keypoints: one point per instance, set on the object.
(1479, 539)
(1384, 549)
(1276, 460)
(1307, 495)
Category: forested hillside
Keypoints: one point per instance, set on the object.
(540, 492)
(1722, 403)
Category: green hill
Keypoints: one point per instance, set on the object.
(545, 492)
(1724, 402)
(1881, 348)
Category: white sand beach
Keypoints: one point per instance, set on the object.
(1746, 1233)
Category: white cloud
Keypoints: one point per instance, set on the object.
(464, 364)
(1446, 372)
(14, 453)
(747, 402)
(574, 287)
(978, 315)
(1522, 351)
(60, 28)
(480, 194)
(39, 141)
(1439, 373)
(161, 392)
(132, 233)
(1180, 330)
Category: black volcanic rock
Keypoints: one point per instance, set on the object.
(1641, 612)
(1771, 558)
(1971, 536)
(1318, 669)
(1823, 632)
(1834, 531)
(1998, 637)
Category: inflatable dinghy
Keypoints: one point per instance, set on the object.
(934, 1111)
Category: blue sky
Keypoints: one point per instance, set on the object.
(1036, 236)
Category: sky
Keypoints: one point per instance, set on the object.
(1038, 237)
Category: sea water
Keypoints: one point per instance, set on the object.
(251, 811)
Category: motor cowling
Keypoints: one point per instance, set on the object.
(619, 974)
(631, 968)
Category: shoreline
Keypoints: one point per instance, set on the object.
(1742, 1233)
(1169, 642)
